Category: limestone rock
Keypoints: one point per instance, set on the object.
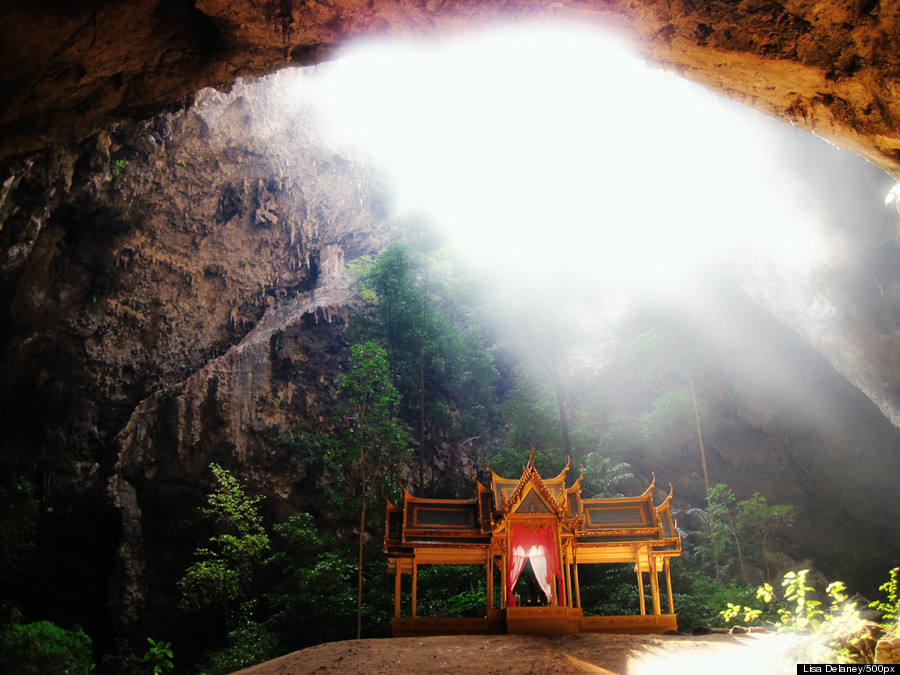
(830, 67)
(888, 650)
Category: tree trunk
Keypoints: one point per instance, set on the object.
(563, 418)
(712, 524)
(422, 386)
(362, 528)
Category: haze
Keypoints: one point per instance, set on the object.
(575, 159)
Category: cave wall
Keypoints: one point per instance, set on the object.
(832, 68)
(782, 422)
(140, 342)
(173, 294)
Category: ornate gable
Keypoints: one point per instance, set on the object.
(532, 503)
(531, 494)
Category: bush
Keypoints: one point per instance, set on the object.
(250, 644)
(43, 648)
(451, 591)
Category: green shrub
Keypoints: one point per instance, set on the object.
(832, 629)
(451, 591)
(891, 608)
(159, 656)
(43, 648)
(250, 644)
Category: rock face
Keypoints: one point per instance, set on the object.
(171, 296)
(830, 67)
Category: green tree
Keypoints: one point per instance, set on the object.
(423, 313)
(18, 522)
(604, 477)
(743, 526)
(891, 607)
(159, 656)
(547, 345)
(43, 647)
(534, 423)
(373, 438)
(667, 362)
(224, 569)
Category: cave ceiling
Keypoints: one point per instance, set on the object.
(68, 68)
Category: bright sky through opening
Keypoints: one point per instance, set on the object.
(552, 150)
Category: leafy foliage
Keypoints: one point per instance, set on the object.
(608, 589)
(248, 644)
(743, 528)
(42, 648)
(891, 588)
(451, 591)
(671, 415)
(225, 568)
(836, 627)
(311, 575)
(440, 358)
(604, 477)
(18, 522)
(372, 432)
(159, 656)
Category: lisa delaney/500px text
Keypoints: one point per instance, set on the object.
(858, 668)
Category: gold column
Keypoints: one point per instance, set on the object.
(490, 582)
(640, 578)
(577, 585)
(559, 584)
(568, 578)
(397, 592)
(669, 586)
(415, 581)
(654, 584)
(503, 580)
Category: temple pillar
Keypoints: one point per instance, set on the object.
(577, 584)
(640, 580)
(397, 592)
(503, 581)
(669, 586)
(490, 582)
(654, 585)
(415, 581)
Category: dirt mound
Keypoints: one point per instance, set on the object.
(570, 654)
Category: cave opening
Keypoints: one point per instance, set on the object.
(578, 181)
(577, 158)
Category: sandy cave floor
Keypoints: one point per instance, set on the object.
(571, 654)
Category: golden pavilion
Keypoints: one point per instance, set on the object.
(540, 523)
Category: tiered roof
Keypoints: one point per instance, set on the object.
(605, 530)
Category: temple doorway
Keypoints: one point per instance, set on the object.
(527, 591)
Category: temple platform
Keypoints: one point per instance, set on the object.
(536, 620)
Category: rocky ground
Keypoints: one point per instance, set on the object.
(571, 654)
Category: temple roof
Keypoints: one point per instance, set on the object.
(509, 494)
(606, 530)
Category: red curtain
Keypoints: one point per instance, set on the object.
(538, 545)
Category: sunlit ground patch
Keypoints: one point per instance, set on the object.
(756, 654)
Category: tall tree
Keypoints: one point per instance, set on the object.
(546, 343)
(224, 569)
(666, 361)
(440, 358)
(373, 436)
